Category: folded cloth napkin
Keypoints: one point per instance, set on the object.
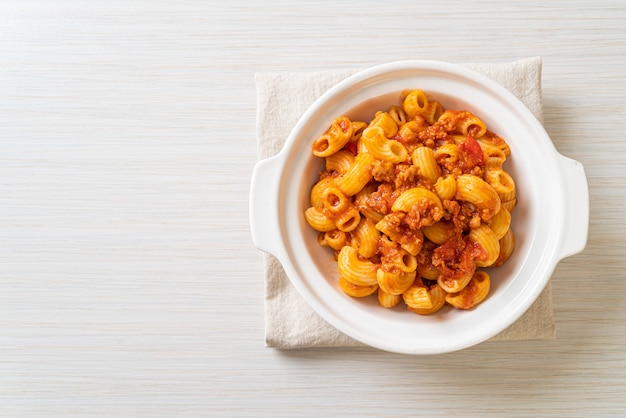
(281, 99)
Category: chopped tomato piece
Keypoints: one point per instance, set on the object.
(472, 147)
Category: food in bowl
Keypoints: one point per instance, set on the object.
(413, 203)
(550, 222)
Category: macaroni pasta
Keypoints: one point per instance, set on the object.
(413, 204)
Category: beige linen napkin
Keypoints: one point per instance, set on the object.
(281, 99)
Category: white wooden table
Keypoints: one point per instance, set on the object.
(129, 285)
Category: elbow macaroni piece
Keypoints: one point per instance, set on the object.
(335, 239)
(356, 270)
(357, 176)
(456, 284)
(386, 300)
(448, 153)
(501, 222)
(354, 290)
(428, 272)
(502, 183)
(437, 300)
(409, 131)
(410, 240)
(335, 138)
(386, 123)
(381, 147)
(414, 203)
(446, 187)
(394, 283)
(415, 103)
(404, 261)
(366, 238)
(477, 191)
(340, 209)
(415, 196)
(398, 115)
(424, 160)
(417, 297)
(341, 161)
(486, 239)
(439, 232)
(463, 122)
(318, 190)
(318, 220)
(507, 245)
(475, 292)
(433, 112)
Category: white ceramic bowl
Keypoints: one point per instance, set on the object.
(550, 221)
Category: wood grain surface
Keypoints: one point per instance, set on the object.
(129, 285)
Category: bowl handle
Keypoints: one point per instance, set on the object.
(576, 217)
(264, 225)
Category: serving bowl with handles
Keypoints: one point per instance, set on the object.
(550, 221)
